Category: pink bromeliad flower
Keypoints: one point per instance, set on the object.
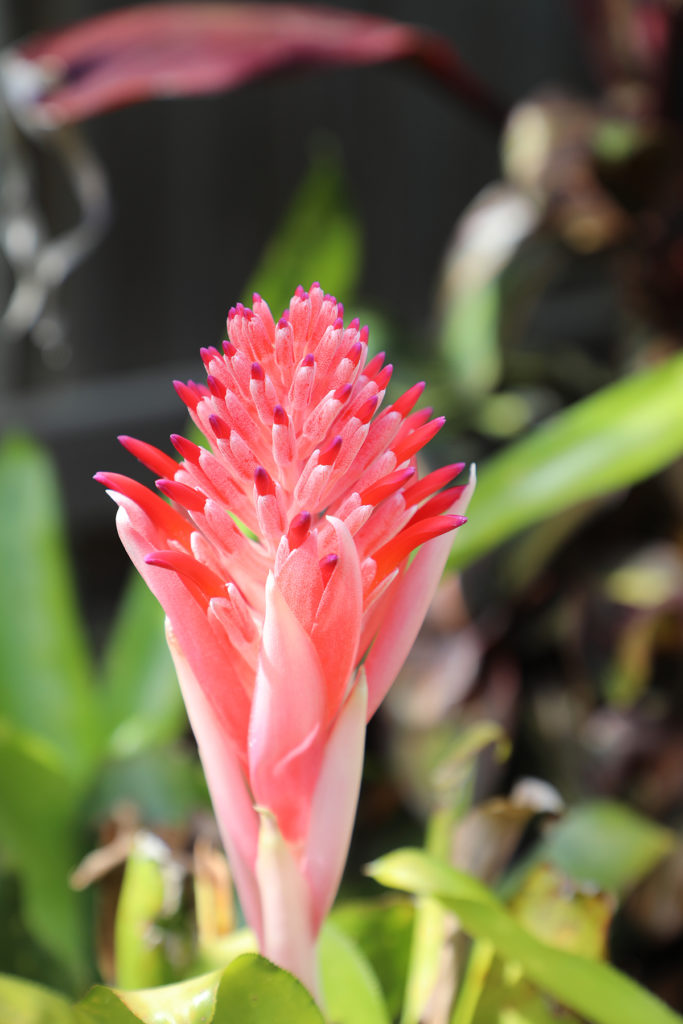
(287, 635)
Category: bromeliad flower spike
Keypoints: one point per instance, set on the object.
(283, 566)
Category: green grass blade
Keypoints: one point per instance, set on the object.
(608, 441)
(591, 988)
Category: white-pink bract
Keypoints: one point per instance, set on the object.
(268, 626)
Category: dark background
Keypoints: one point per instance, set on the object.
(197, 188)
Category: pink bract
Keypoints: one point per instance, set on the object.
(284, 562)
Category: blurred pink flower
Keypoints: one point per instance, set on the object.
(282, 564)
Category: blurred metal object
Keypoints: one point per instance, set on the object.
(40, 262)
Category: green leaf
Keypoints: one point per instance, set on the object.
(608, 441)
(593, 989)
(319, 239)
(104, 1006)
(140, 694)
(382, 928)
(255, 991)
(46, 675)
(351, 989)
(150, 889)
(24, 1002)
(38, 829)
(565, 915)
(605, 844)
(187, 1002)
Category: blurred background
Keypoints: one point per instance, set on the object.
(197, 186)
(528, 265)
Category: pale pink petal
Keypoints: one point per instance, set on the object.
(212, 662)
(285, 731)
(288, 937)
(336, 631)
(301, 584)
(411, 595)
(232, 802)
(334, 802)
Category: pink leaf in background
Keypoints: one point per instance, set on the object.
(164, 50)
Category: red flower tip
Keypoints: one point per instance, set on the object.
(219, 427)
(283, 322)
(411, 444)
(383, 377)
(157, 461)
(217, 389)
(208, 354)
(408, 399)
(438, 504)
(338, 324)
(390, 555)
(187, 394)
(387, 485)
(434, 481)
(229, 348)
(188, 497)
(364, 334)
(342, 393)
(256, 298)
(263, 482)
(300, 292)
(308, 360)
(186, 448)
(164, 516)
(367, 409)
(355, 352)
(374, 366)
(257, 372)
(327, 457)
(298, 529)
(280, 416)
(186, 565)
(327, 567)
(355, 324)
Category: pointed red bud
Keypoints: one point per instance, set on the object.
(188, 497)
(263, 482)
(327, 567)
(219, 427)
(298, 529)
(215, 387)
(149, 456)
(186, 448)
(327, 457)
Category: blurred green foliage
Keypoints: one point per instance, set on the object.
(78, 738)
